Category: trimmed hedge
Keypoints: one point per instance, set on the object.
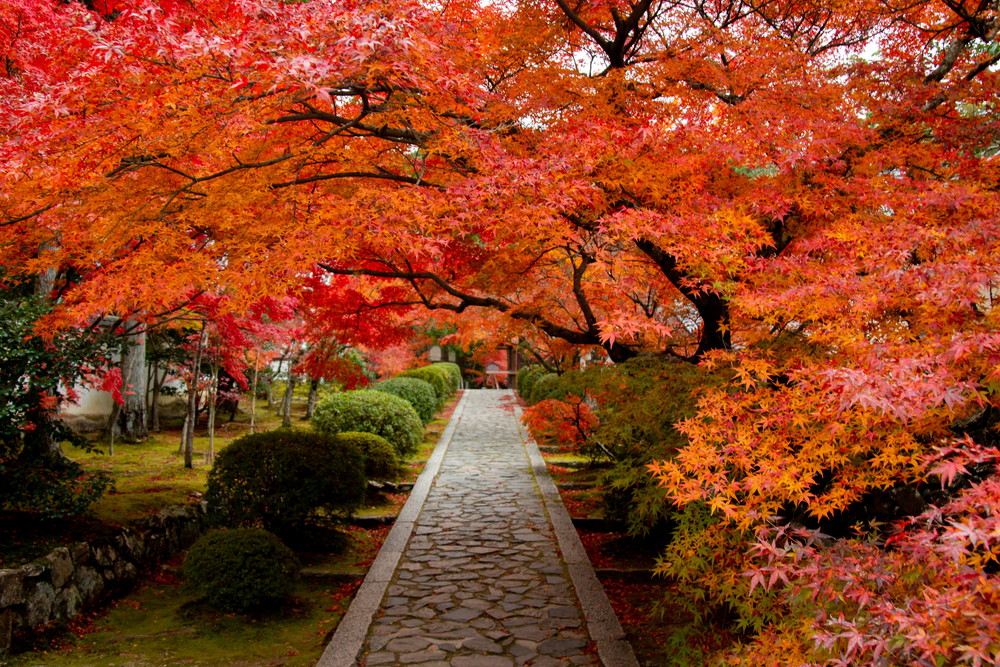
(418, 393)
(240, 569)
(436, 377)
(371, 411)
(279, 479)
(544, 387)
(453, 371)
(526, 378)
(381, 461)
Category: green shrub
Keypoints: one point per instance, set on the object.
(418, 393)
(278, 479)
(454, 373)
(545, 386)
(637, 404)
(240, 569)
(526, 378)
(436, 377)
(381, 461)
(372, 412)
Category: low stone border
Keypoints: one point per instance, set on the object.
(348, 639)
(613, 648)
(59, 586)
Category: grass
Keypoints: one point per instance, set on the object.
(160, 623)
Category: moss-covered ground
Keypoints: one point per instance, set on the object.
(160, 623)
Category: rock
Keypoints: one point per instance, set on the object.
(88, 582)
(67, 604)
(125, 571)
(60, 565)
(104, 555)
(39, 604)
(6, 628)
(559, 647)
(11, 587)
(33, 570)
(80, 553)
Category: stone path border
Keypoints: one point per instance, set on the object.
(602, 624)
(347, 640)
(613, 648)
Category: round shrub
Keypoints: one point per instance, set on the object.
(544, 387)
(381, 461)
(418, 393)
(372, 412)
(453, 371)
(278, 479)
(436, 377)
(240, 569)
(526, 378)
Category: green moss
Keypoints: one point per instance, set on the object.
(162, 624)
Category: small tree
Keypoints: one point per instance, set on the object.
(37, 377)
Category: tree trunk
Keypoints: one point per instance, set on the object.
(213, 398)
(154, 403)
(253, 392)
(712, 308)
(111, 430)
(270, 386)
(313, 396)
(132, 416)
(45, 282)
(184, 434)
(39, 446)
(286, 403)
(193, 401)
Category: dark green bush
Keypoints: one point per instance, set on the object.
(279, 479)
(381, 461)
(418, 393)
(454, 373)
(544, 387)
(526, 377)
(436, 377)
(240, 569)
(372, 412)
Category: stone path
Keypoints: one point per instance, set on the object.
(481, 568)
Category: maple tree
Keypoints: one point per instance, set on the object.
(803, 193)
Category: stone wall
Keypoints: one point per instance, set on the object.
(56, 588)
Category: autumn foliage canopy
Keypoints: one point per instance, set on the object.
(803, 193)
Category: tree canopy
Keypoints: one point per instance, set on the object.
(803, 193)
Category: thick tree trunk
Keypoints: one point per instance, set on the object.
(45, 282)
(712, 308)
(132, 416)
(286, 403)
(313, 396)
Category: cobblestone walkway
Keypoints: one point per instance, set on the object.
(481, 581)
